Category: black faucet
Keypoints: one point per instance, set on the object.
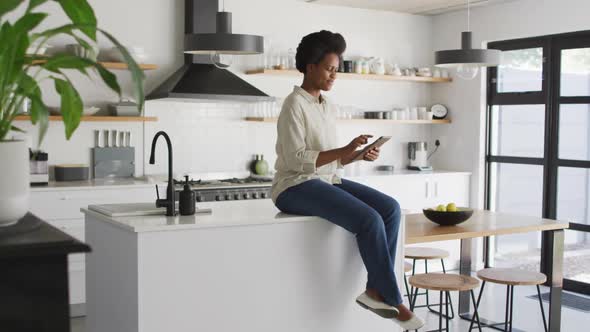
(169, 201)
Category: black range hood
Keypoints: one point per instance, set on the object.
(198, 78)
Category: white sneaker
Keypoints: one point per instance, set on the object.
(382, 309)
(413, 323)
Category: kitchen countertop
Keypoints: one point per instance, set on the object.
(99, 183)
(224, 214)
(151, 180)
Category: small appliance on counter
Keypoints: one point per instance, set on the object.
(418, 156)
(71, 172)
(39, 169)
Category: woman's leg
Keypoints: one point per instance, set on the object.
(315, 197)
(389, 210)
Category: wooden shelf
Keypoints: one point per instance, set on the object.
(112, 65)
(350, 76)
(445, 121)
(97, 118)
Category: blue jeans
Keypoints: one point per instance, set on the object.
(371, 215)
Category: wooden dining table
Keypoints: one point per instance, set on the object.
(485, 223)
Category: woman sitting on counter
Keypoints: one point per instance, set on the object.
(306, 183)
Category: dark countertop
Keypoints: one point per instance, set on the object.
(32, 236)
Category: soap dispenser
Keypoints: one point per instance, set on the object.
(187, 199)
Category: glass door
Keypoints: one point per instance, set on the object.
(570, 164)
(517, 114)
(538, 149)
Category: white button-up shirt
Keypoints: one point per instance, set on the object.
(306, 126)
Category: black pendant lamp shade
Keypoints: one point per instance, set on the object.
(467, 55)
(223, 41)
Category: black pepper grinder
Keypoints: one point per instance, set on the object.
(187, 200)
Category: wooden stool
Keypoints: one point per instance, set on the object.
(446, 283)
(421, 253)
(510, 278)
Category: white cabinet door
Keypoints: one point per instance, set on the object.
(61, 208)
(410, 191)
(447, 188)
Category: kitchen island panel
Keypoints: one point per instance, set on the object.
(111, 279)
(288, 276)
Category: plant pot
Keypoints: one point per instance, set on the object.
(14, 181)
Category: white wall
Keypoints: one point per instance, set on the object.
(211, 137)
(462, 141)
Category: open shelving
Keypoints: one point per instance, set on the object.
(352, 76)
(443, 121)
(97, 118)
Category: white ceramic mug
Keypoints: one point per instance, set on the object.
(414, 113)
(422, 113)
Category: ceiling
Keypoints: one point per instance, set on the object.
(419, 7)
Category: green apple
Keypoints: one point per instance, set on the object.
(451, 207)
(441, 208)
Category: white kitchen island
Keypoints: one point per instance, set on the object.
(245, 267)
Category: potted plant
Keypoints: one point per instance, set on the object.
(21, 73)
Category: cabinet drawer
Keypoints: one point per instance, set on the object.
(55, 205)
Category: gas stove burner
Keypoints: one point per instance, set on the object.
(229, 181)
(247, 180)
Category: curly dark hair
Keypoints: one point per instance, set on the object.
(314, 47)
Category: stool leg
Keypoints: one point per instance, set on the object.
(442, 262)
(483, 284)
(414, 299)
(447, 310)
(407, 288)
(413, 273)
(542, 309)
(507, 308)
(511, 305)
(475, 313)
(426, 271)
(440, 302)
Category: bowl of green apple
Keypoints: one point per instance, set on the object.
(448, 215)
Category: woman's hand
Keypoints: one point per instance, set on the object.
(355, 144)
(372, 154)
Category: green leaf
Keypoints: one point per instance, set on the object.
(67, 29)
(29, 88)
(40, 115)
(12, 58)
(65, 61)
(80, 12)
(8, 5)
(71, 105)
(108, 78)
(136, 73)
(28, 22)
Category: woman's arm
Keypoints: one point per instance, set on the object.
(344, 153)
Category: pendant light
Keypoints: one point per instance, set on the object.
(467, 60)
